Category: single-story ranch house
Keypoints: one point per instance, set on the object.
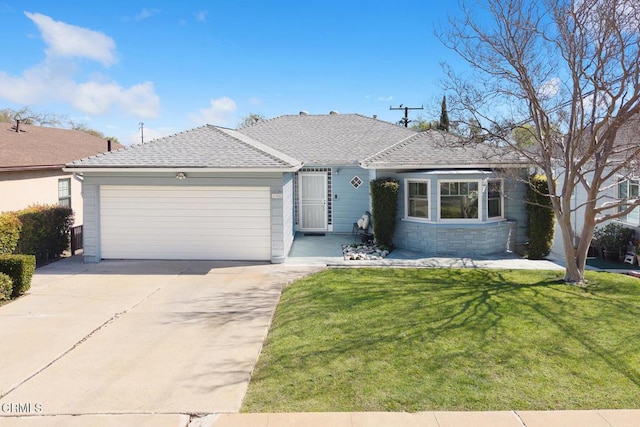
(218, 193)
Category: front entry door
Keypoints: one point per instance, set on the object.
(313, 201)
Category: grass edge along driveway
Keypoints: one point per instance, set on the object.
(450, 339)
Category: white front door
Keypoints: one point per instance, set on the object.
(313, 201)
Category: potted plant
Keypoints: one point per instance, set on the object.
(613, 240)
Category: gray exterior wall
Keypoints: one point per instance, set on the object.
(349, 203)
(287, 202)
(91, 201)
(486, 237)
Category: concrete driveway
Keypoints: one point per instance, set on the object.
(135, 337)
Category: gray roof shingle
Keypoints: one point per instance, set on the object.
(203, 147)
(333, 139)
(438, 149)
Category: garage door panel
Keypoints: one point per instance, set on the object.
(139, 222)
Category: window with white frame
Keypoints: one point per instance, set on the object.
(495, 201)
(64, 192)
(629, 189)
(459, 199)
(417, 199)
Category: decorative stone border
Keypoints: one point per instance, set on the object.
(363, 252)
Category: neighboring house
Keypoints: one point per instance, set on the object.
(623, 185)
(31, 162)
(217, 193)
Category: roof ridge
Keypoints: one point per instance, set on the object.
(390, 148)
(257, 145)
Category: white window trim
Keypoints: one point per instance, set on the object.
(481, 192)
(406, 200)
(68, 197)
(501, 217)
(619, 179)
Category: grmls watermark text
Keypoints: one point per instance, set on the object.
(20, 408)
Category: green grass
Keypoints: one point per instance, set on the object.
(442, 339)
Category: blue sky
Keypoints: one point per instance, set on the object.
(178, 65)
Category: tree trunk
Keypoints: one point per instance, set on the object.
(574, 257)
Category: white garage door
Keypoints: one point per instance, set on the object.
(152, 222)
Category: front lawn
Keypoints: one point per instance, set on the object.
(443, 339)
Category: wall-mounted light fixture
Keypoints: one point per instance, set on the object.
(181, 176)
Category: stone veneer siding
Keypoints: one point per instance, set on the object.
(456, 240)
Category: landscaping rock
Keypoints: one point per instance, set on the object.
(363, 252)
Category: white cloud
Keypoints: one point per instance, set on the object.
(221, 113)
(550, 88)
(255, 101)
(383, 98)
(146, 13)
(66, 40)
(96, 98)
(53, 79)
(201, 16)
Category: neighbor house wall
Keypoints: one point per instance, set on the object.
(20, 189)
(91, 196)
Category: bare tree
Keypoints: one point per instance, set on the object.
(251, 119)
(567, 72)
(30, 117)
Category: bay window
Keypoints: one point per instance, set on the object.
(459, 199)
(417, 199)
(494, 198)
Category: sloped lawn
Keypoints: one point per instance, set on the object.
(442, 339)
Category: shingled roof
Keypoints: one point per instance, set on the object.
(37, 147)
(203, 147)
(333, 139)
(438, 149)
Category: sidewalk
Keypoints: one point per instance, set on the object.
(596, 418)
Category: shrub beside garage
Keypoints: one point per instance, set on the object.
(6, 287)
(35, 235)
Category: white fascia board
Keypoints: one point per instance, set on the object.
(452, 166)
(178, 169)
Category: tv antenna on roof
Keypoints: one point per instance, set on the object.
(405, 120)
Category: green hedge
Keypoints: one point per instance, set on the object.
(384, 203)
(10, 227)
(6, 287)
(45, 231)
(541, 217)
(20, 269)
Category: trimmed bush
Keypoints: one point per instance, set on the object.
(6, 287)
(384, 201)
(541, 217)
(45, 231)
(10, 227)
(20, 269)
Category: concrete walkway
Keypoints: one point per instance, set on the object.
(600, 418)
(327, 251)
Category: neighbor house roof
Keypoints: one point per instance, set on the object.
(438, 149)
(205, 147)
(35, 147)
(333, 139)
